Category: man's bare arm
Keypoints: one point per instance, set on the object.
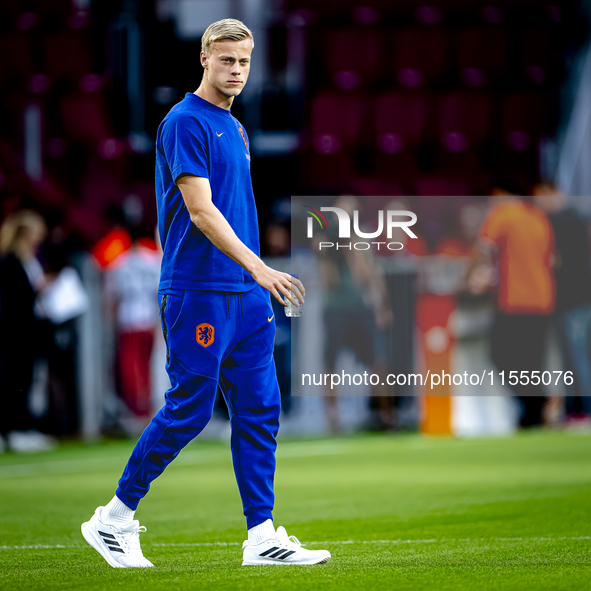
(481, 274)
(196, 193)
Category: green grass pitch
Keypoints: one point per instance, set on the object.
(397, 512)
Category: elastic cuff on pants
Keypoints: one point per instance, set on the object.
(255, 517)
(131, 503)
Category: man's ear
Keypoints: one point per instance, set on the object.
(203, 58)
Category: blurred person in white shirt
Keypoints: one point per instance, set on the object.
(132, 284)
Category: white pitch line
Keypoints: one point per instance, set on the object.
(325, 543)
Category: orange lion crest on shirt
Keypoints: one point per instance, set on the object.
(205, 334)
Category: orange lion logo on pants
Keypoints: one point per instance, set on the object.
(205, 334)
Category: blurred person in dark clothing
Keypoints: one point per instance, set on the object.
(355, 308)
(21, 279)
(396, 335)
(62, 417)
(573, 293)
(276, 242)
(517, 239)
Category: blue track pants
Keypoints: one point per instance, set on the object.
(213, 339)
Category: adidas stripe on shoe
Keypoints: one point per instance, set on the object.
(118, 545)
(282, 549)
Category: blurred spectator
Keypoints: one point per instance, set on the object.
(60, 303)
(505, 189)
(132, 283)
(518, 239)
(115, 242)
(21, 280)
(396, 334)
(355, 306)
(573, 294)
(276, 241)
(277, 244)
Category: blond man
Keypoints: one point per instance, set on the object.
(216, 312)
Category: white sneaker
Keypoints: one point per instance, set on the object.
(118, 545)
(30, 441)
(282, 549)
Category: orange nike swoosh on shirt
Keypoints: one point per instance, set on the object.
(269, 319)
(220, 134)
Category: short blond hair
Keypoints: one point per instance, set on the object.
(228, 29)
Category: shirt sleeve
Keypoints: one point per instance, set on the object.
(493, 226)
(184, 143)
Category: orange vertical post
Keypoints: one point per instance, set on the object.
(433, 314)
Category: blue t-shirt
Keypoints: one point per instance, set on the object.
(200, 139)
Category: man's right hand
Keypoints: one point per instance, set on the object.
(279, 283)
(481, 279)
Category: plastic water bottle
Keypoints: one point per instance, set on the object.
(290, 309)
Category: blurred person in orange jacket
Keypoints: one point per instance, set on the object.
(517, 240)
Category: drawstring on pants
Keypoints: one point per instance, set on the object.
(241, 305)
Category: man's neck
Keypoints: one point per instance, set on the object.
(208, 93)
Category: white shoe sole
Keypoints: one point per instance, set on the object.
(96, 543)
(281, 563)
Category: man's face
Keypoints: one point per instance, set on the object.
(227, 65)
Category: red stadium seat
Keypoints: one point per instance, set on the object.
(10, 9)
(492, 14)
(85, 117)
(16, 56)
(336, 127)
(353, 56)
(312, 10)
(481, 55)
(103, 181)
(400, 121)
(67, 55)
(522, 120)
(372, 187)
(328, 170)
(417, 55)
(538, 51)
(400, 126)
(55, 6)
(336, 121)
(359, 11)
(463, 120)
(442, 187)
